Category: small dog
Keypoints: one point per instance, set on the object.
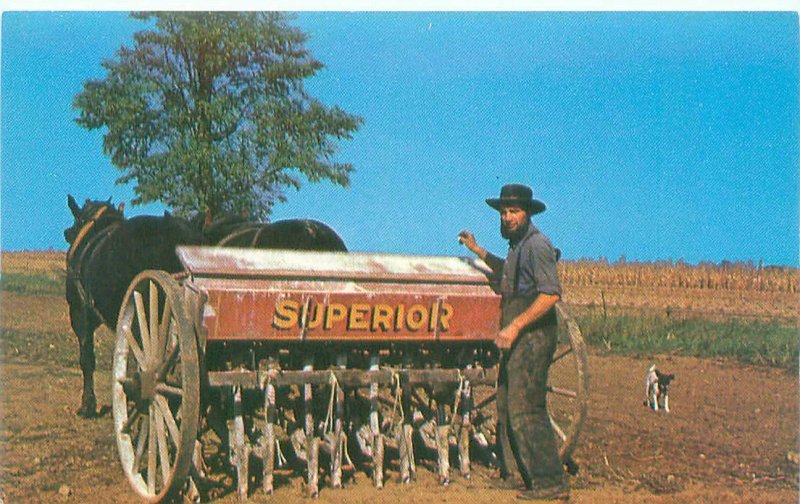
(656, 389)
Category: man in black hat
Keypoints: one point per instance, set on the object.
(528, 337)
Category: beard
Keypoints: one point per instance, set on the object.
(505, 232)
(508, 233)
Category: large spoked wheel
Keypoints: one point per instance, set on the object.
(568, 387)
(155, 391)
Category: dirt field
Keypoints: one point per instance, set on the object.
(732, 435)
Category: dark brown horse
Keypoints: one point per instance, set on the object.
(229, 230)
(293, 234)
(107, 251)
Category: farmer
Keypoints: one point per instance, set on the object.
(527, 340)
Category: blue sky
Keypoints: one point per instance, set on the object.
(649, 135)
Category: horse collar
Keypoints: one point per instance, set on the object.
(84, 230)
(74, 268)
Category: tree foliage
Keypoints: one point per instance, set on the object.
(208, 111)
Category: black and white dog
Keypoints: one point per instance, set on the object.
(656, 389)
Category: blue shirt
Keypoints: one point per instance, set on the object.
(535, 257)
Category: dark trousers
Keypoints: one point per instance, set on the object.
(525, 438)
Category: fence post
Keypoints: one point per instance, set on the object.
(605, 313)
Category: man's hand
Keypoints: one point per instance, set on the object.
(541, 305)
(468, 240)
(506, 337)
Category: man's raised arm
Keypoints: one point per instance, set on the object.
(468, 240)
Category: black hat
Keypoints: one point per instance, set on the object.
(517, 195)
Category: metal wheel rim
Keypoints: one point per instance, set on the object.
(155, 392)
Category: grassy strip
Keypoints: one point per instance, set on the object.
(36, 284)
(751, 342)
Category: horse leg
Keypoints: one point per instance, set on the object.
(88, 407)
(84, 325)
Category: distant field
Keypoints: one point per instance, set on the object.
(45, 262)
(41, 273)
(680, 290)
(740, 276)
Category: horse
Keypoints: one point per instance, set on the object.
(107, 251)
(228, 230)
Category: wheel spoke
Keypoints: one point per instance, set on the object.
(169, 390)
(163, 451)
(137, 352)
(561, 391)
(558, 430)
(563, 354)
(132, 417)
(153, 307)
(140, 442)
(151, 454)
(163, 329)
(172, 426)
(486, 401)
(168, 362)
(141, 315)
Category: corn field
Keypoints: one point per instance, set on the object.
(727, 276)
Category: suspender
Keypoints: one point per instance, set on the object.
(516, 268)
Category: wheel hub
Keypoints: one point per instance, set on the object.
(148, 385)
(132, 387)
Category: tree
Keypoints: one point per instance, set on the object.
(208, 111)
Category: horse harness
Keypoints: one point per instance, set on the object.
(90, 248)
(249, 228)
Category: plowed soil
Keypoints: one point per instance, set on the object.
(732, 435)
